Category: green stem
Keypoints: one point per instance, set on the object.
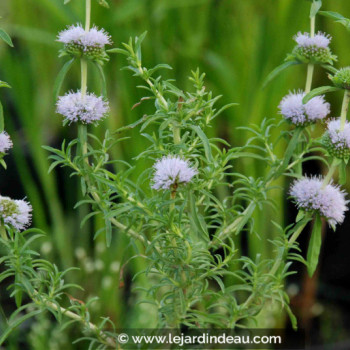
(310, 66)
(87, 15)
(83, 77)
(177, 134)
(310, 72)
(330, 173)
(344, 109)
(106, 339)
(312, 25)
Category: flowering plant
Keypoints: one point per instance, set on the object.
(175, 215)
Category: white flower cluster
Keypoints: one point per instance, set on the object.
(320, 40)
(339, 138)
(5, 142)
(172, 171)
(329, 200)
(293, 109)
(76, 35)
(16, 213)
(86, 108)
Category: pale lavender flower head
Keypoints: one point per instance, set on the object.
(15, 213)
(320, 40)
(293, 109)
(171, 171)
(5, 142)
(339, 138)
(329, 201)
(76, 35)
(86, 109)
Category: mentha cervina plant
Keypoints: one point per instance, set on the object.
(183, 227)
(183, 223)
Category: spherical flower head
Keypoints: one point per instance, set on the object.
(341, 78)
(15, 213)
(329, 201)
(5, 142)
(293, 109)
(90, 44)
(172, 171)
(86, 109)
(337, 139)
(313, 49)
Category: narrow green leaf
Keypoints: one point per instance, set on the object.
(195, 219)
(4, 36)
(108, 232)
(60, 78)
(292, 317)
(319, 91)
(337, 17)
(278, 70)
(4, 84)
(245, 218)
(315, 7)
(314, 249)
(16, 323)
(204, 140)
(117, 50)
(289, 152)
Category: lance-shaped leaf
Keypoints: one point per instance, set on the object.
(314, 249)
(337, 17)
(4, 36)
(315, 7)
(319, 91)
(278, 70)
(60, 78)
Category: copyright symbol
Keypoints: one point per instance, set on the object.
(123, 338)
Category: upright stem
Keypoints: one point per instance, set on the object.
(83, 76)
(176, 135)
(312, 25)
(310, 66)
(87, 15)
(82, 129)
(344, 109)
(310, 73)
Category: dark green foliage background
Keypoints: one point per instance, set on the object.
(236, 42)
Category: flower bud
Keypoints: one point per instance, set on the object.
(341, 78)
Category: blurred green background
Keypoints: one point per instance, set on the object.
(237, 43)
